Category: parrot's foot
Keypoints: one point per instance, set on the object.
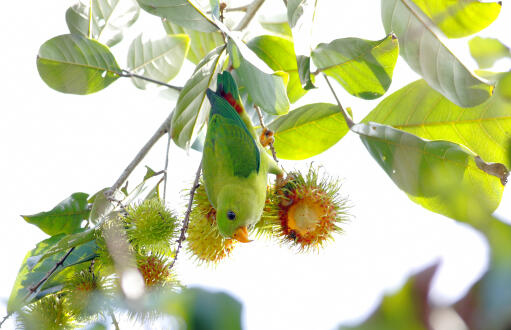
(266, 137)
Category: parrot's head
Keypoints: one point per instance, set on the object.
(237, 209)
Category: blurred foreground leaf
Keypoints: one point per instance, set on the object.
(486, 51)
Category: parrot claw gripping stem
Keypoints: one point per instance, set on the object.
(266, 137)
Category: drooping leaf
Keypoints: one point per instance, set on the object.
(441, 176)
(459, 19)
(77, 65)
(159, 59)
(65, 218)
(276, 24)
(201, 309)
(32, 271)
(108, 21)
(266, 88)
(486, 51)
(407, 309)
(278, 53)
(300, 15)
(364, 68)
(419, 109)
(308, 130)
(192, 108)
(64, 244)
(101, 205)
(504, 87)
(429, 57)
(185, 13)
(201, 43)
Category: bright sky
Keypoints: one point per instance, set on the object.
(55, 144)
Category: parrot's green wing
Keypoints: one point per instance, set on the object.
(229, 144)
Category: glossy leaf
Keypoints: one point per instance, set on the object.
(192, 108)
(77, 65)
(300, 15)
(429, 57)
(201, 43)
(266, 88)
(279, 54)
(439, 175)
(65, 218)
(108, 21)
(185, 13)
(486, 51)
(363, 67)
(32, 271)
(407, 309)
(159, 59)
(459, 19)
(308, 130)
(277, 24)
(419, 109)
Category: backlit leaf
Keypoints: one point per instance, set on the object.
(486, 51)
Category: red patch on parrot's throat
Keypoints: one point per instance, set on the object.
(229, 98)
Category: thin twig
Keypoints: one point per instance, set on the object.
(59, 263)
(5, 318)
(164, 128)
(187, 214)
(114, 320)
(259, 113)
(126, 73)
(349, 121)
(249, 14)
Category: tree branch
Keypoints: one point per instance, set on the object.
(5, 318)
(164, 128)
(187, 214)
(274, 154)
(349, 121)
(126, 73)
(249, 14)
(114, 320)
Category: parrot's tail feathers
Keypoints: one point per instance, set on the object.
(227, 89)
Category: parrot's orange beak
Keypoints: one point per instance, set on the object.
(241, 235)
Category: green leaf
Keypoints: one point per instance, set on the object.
(185, 13)
(300, 15)
(503, 90)
(32, 271)
(64, 244)
(276, 24)
(266, 88)
(159, 59)
(201, 309)
(308, 131)
(279, 54)
(439, 175)
(201, 43)
(363, 67)
(77, 65)
(65, 218)
(429, 57)
(101, 205)
(192, 108)
(459, 19)
(108, 21)
(486, 51)
(407, 309)
(420, 110)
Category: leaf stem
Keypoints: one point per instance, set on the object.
(186, 220)
(114, 320)
(349, 121)
(165, 172)
(126, 73)
(164, 128)
(89, 33)
(249, 14)
(5, 318)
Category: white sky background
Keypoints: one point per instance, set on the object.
(55, 144)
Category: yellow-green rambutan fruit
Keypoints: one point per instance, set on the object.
(156, 271)
(204, 241)
(87, 293)
(51, 312)
(151, 226)
(305, 211)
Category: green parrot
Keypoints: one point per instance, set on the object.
(235, 165)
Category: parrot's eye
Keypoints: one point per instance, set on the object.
(231, 215)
